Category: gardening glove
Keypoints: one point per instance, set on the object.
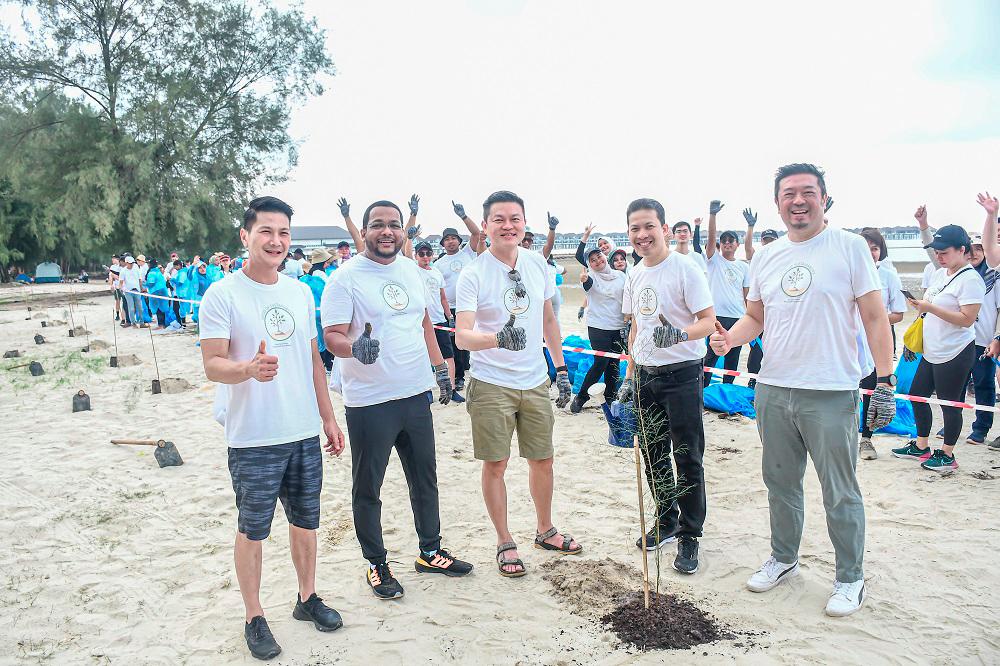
(667, 335)
(909, 356)
(444, 383)
(451, 322)
(345, 208)
(512, 338)
(715, 206)
(750, 217)
(579, 315)
(413, 231)
(565, 388)
(882, 408)
(414, 204)
(553, 221)
(459, 209)
(829, 204)
(626, 391)
(365, 349)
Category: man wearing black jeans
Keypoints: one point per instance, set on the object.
(729, 281)
(668, 297)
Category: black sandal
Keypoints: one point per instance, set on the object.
(503, 561)
(564, 549)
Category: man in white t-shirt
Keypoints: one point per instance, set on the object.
(667, 296)
(437, 307)
(258, 336)
(372, 311)
(984, 370)
(808, 291)
(684, 243)
(456, 256)
(114, 279)
(131, 286)
(729, 280)
(504, 310)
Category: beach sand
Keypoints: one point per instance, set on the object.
(107, 559)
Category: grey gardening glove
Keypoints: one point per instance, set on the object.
(451, 322)
(715, 206)
(553, 221)
(882, 408)
(579, 315)
(365, 348)
(459, 209)
(908, 355)
(565, 388)
(413, 231)
(626, 392)
(414, 204)
(512, 338)
(345, 208)
(667, 335)
(750, 217)
(829, 204)
(444, 383)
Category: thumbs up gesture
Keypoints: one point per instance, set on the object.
(263, 367)
(509, 337)
(667, 335)
(720, 340)
(365, 348)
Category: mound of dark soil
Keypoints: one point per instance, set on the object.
(670, 623)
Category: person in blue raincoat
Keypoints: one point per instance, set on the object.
(156, 285)
(316, 279)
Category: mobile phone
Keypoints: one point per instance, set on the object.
(908, 295)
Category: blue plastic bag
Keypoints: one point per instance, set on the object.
(730, 399)
(621, 423)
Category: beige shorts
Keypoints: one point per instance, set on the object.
(497, 412)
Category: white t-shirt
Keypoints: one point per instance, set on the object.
(390, 298)
(676, 288)
(293, 269)
(143, 270)
(944, 341)
(245, 312)
(604, 301)
(892, 299)
(727, 279)
(697, 257)
(809, 291)
(485, 288)
(131, 278)
(986, 322)
(929, 271)
(433, 283)
(451, 266)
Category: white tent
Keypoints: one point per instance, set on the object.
(47, 271)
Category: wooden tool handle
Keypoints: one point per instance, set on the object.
(143, 442)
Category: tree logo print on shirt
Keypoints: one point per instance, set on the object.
(515, 305)
(797, 280)
(456, 266)
(732, 276)
(279, 323)
(647, 302)
(395, 296)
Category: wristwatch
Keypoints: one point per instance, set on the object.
(562, 368)
(888, 379)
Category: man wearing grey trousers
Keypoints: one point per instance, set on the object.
(813, 293)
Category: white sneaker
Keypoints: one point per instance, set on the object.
(867, 450)
(846, 598)
(770, 574)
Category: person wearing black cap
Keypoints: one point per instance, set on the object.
(456, 256)
(437, 305)
(767, 237)
(949, 309)
(729, 280)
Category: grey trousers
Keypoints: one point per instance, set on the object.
(794, 423)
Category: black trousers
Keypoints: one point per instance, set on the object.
(670, 423)
(374, 430)
(461, 355)
(606, 341)
(732, 359)
(868, 382)
(947, 380)
(755, 357)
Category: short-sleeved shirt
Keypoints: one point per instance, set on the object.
(390, 297)
(986, 322)
(451, 266)
(727, 279)
(433, 284)
(675, 288)
(485, 288)
(282, 314)
(944, 341)
(809, 290)
(131, 278)
(604, 300)
(293, 269)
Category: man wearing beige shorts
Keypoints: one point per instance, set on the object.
(503, 312)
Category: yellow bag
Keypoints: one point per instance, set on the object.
(913, 339)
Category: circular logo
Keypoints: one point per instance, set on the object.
(279, 323)
(647, 301)
(456, 266)
(797, 280)
(732, 276)
(515, 305)
(395, 296)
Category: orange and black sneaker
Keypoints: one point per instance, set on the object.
(384, 585)
(441, 562)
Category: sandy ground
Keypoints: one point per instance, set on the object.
(107, 559)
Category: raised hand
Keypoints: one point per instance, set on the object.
(921, 216)
(263, 367)
(414, 204)
(750, 217)
(413, 231)
(553, 221)
(668, 335)
(565, 388)
(459, 209)
(908, 355)
(587, 231)
(715, 206)
(445, 389)
(512, 338)
(365, 348)
(720, 340)
(882, 408)
(829, 204)
(989, 203)
(579, 314)
(345, 208)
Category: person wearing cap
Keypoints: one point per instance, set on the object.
(554, 269)
(437, 305)
(949, 307)
(316, 279)
(225, 264)
(605, 245)
(766, 237)
(343, 252)
(293, 267)
(319, 259)
(991, 250)
(811, 292)
(114, 281)
(729, 281)
(457, 256)
(131, 286)
(984, 370)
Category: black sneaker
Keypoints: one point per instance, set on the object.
(456, 397)
(576, 406)
(442, 562)
(260, 640)
(687, 555)
(314, 610)
(651, 542)
(384, 585)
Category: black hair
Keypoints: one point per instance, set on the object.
(874, 236)
(501, 196)
(647, 204)
(377, 204)
(298, 250)
(265, 205)
(798, 168)
(682, 223)
(178, 262)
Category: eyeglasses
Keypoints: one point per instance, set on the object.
(425, 253)
(519, 289)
